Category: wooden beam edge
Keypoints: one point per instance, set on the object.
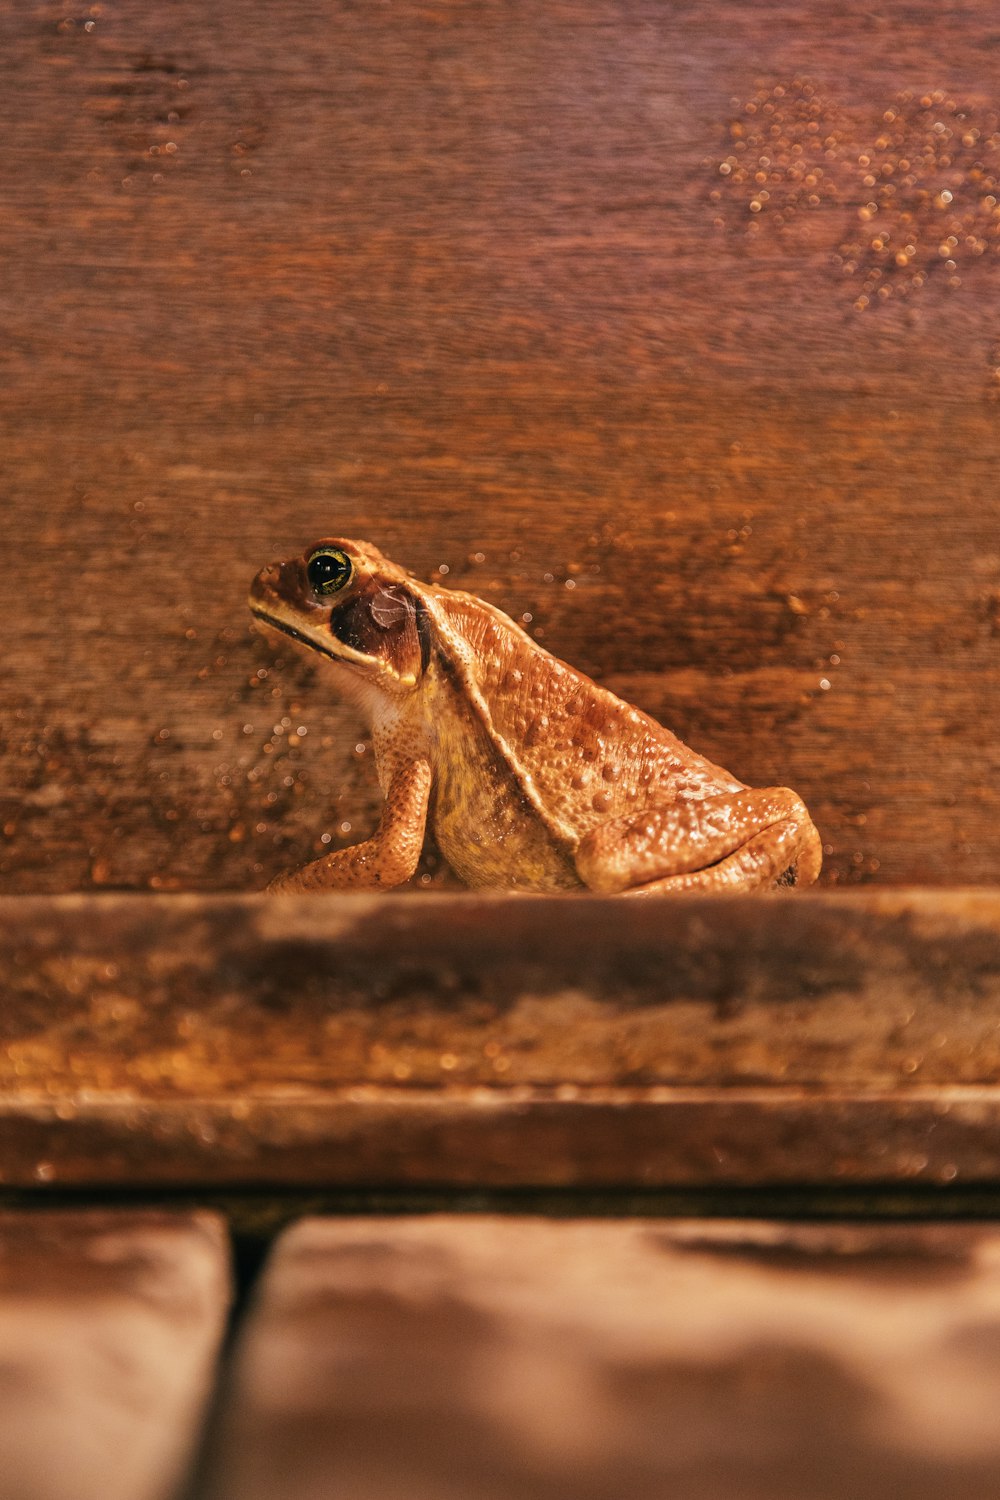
(601, 1138)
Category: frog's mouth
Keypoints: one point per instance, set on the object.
(275, 600)
(345, 656)
(274, 623)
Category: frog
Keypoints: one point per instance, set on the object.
(530, 776)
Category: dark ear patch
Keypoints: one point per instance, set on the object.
(350, 622)
(388, 622)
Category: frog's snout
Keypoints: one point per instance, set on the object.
(284, 584)
(266, 585)
(267, 579)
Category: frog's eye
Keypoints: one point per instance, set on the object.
(328, 570)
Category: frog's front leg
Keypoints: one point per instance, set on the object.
(386, 859)
(742, 841)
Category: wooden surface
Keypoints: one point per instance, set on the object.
(823, 1038)
(469, 281)
(471, 1355)
(110, 1323)
(445, 1358)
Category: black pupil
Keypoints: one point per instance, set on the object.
(328, 571)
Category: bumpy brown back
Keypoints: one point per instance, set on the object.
(590, 755)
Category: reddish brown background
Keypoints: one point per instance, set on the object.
(452, 278)
(467, 280)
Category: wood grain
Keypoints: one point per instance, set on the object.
(829, 1039)
(495, 1357)
(110, 1324)
(453, 278)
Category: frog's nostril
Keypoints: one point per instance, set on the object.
(265, 583)
(267, 579)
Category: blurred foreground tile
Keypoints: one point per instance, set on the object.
(109, 1329)
(485, 1359)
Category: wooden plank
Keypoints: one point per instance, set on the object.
(818, 1038)
(109, 1325)
(450, 1357)
(467, 280)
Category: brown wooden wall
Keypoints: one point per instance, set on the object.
(469, 280)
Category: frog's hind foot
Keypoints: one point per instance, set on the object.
(746, 841)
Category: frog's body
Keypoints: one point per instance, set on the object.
(530, 774)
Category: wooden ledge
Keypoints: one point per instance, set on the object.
(462, 1039)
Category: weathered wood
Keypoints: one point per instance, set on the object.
(109, 1327)
(495, 1357)
(468, 281)
(460, 1039)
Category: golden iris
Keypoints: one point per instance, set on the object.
(328, 570)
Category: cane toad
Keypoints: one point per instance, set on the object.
(529, 774)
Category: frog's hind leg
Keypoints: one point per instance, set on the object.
(767, 861)
(389, 857)
(745, 841)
